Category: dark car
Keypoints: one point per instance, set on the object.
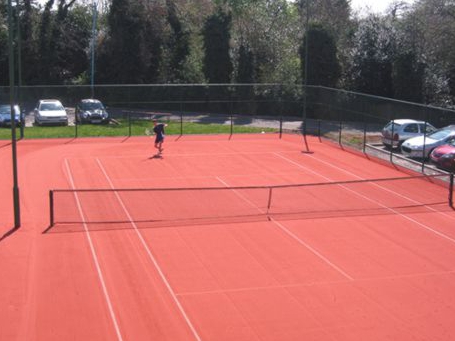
(91, 111)
(5, 115)
(444, 156)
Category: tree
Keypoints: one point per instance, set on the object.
(29, 50)
(373, 54)
(245, 70)
(269, 31)
(178, 44)
(4, 67)
(408, 77)
(436, 27)
(323, 66)
(131, 49)
(62, 42)
(217, 63)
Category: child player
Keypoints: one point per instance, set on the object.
(158, 129)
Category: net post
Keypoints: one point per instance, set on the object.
(451, 190)
(269, 203)
(51, 208)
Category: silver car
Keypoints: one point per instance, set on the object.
(50, 111)
(398, 131)
(421, 146)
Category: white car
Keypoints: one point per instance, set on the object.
(398, 131)
(50, 111)
(422, 146)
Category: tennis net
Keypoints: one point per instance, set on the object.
(182, 206)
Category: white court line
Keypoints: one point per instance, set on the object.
(151, 256)
(292, 235)
(426, 227)
(382, 187)
(318, 283)
(94, 256)
(182, 155)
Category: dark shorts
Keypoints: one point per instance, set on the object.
(159, 138)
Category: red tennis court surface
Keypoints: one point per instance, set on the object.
(346, 274)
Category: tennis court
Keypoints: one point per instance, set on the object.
(224, 238)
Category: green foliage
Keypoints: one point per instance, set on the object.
(245, 73)
(217, 63)
(178, 43)
(407, 53)
(373, 54)
(322, 65)
(408, 77)
(131, 52)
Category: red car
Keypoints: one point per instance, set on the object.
(444, 156)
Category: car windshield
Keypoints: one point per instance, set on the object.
(441, 134)
(51, 106)
(91, 106)
(6, 110)
(392, 125)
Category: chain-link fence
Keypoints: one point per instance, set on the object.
(348, 118)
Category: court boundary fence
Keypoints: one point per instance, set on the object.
(349, 118)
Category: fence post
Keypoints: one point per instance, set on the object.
(51, 208)
(281, 126)
(392, 139)
(129, 124)
(425, 141)
(340, 129)
(451, 190)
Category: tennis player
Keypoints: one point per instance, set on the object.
(158, 129)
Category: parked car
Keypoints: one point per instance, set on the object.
(5, 115)
(50, 111)
(91, 111)
(444, 156)
(414, 147)
(397, 131)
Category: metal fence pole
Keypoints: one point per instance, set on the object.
(281, 126)
(51, 208)
(424, 141)
(129, 124)
(391, 139)
(451, 190)
(16, 201)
